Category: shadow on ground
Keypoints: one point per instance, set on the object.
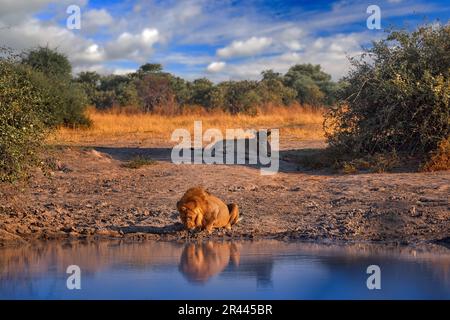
(288, 159)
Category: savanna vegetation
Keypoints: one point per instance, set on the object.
(151, 90)
(393, 103)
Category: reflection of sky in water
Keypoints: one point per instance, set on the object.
(274, 271)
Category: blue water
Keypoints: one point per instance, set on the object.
(224, 270)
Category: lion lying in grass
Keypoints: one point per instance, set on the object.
(200, 209)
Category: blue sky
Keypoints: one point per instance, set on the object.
(220, 40)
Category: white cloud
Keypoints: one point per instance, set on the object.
(291, 38)
(93, 53)
(133, 46)
(216, 66)
(188, 12)
(123, 71)
(32, 33)
(248, 47)
(146, 37)
(99, 68)
(330, 52)
(95, 18)
(185, 59)
(14, 12)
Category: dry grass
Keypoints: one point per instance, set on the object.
(440, 158)
(113, 126)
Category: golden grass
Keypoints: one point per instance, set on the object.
(117, 127)
(440, 158)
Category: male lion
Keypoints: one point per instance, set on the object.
(200, 209)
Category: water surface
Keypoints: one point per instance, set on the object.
(264, 269)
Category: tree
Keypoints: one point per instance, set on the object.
(48, 61)
(201, 90)
(241, 96)
(155, 92)
(272, 90)
(148, 68)
(313, 86)
(270, 75)
(180, 89)
(115, 90)
(90, 82)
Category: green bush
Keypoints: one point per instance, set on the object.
(201, 93)
(33, 99)
(49, 62)
(272, 90)
(65, 100)
(312, 86)
(240, 96)
(396, 98)
(21, 120)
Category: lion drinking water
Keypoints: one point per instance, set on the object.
(200, 209)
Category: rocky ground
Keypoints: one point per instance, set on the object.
(90, 194)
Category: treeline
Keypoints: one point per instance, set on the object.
(150, 89)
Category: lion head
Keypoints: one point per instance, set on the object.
(191, 214)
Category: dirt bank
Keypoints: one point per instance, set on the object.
(90, 194)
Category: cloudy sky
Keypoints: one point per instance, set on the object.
(221, 40)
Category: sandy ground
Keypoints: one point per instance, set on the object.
(91, 195)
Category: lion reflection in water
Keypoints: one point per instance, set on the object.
(201, 261)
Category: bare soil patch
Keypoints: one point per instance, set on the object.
(91, 194)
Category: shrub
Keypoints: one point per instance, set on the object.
(65, 101)
(396, 97)
(34, 98)
(21, 120)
